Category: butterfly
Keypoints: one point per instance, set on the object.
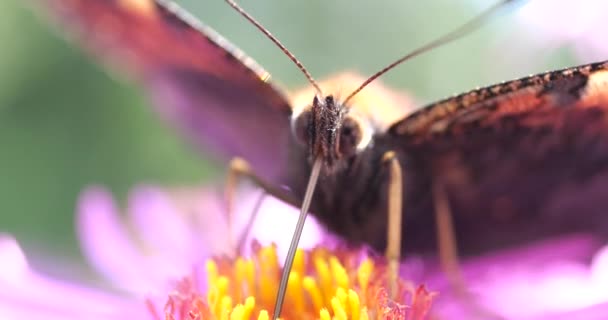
(517, 161)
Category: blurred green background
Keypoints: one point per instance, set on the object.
(66, 124)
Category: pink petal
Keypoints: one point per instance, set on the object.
(276, 223)
(586, 20)
(14, 264)
(163, 230)
(536, 281)
(547, 16)
(25, 294)
(106, 243)
(211, 225)
(596, 312)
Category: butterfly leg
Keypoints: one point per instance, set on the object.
(446, 240)
(250, 221)
(448, 253)
(393, 241)
(237, 170)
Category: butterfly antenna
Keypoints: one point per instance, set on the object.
(457, 33)
(278, 43)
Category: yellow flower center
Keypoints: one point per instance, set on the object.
(322, 285)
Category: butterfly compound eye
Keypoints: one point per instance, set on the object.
(302, 127)
(351, 134)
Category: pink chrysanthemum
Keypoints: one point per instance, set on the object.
(577, 24)
(537, 35)
(157, 255)
(323, 284)
(26, 294)
(171, 230)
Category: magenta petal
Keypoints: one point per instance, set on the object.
(533, 282)
(210, 224)
(586, 21)
(595, 312)
(27, 295)
(599, 267)
(276, 223)
(159, 223)
(106, 243)
(164, 232)
(14, 264)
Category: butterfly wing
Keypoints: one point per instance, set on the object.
(519, 161)
(210, 89)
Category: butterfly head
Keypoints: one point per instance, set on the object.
(329, 130)
(338, 132)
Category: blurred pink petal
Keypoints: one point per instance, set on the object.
(25, 294)
(596, 312)
(543, 27)
(167, 231)
(276, 223)
(167, 238)
(579, 24)
(534, 282)
(160, 225)
(106, 242)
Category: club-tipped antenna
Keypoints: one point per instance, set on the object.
(278, 43)
(293, 246)
(457, 33)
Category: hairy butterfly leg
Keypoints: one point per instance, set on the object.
(393, 241)
(238, 170)
(448, 253)
(240, 242)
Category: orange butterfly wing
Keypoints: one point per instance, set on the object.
(521, 160)
(213, 92)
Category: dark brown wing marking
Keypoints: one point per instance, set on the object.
(556, 88)
(207, 86)
(521, 161)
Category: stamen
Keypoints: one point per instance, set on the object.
(353, 303)
(363, 276)
(338, 273)
(323, 278)
(310, 285)
(322, 285)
